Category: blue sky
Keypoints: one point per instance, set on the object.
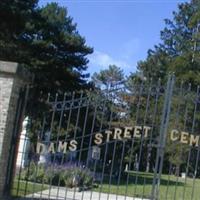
(121, 32)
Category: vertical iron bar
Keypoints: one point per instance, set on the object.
(175, 125)
(84, 127)
(120, 168)
(78, 116)
(75, 130)
(112, 165)
(58, 135)
(142, 139)
(51, 130)
(100, 129)
(162, 138)
(42, 133)
(185, 122)
(133, 139)
(91, 134)
(15, 133)
(189, 154)
(195, 172)
(197, 157)
(19, 119)
(106, 149)
(111, 171)
(67, 129)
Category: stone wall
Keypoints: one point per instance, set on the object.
(12, 78)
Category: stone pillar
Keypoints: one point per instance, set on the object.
(12, 78)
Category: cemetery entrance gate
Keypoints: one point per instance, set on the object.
(133, 141)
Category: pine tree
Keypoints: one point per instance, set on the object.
(46, 41)
(178, 51)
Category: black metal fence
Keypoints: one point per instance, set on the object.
(134, 141)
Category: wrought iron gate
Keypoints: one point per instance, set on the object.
(133, 141)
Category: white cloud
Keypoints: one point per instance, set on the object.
(103, 60)
(126, 57)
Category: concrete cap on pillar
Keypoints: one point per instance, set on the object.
(15, 69)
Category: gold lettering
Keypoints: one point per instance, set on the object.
(98, 138)
(62, 147)
(117, 134)
(194, 140)
(127, 132)
(184, 137)
(40, 148)
(108, 133)
(73, 145)
(174, 135)
(137, 131)
(146, 130)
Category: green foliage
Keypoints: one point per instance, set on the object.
(34, 173)
(77, 177)
(14, 15)
(45, 40)
(155, 66)
(108, 77)
(178, 51)
(59, 50)
(57, 175)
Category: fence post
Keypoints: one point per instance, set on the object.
(13, 77)
(162, 137)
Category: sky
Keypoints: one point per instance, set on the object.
(120, 31)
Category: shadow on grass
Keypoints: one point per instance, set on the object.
(141, 178)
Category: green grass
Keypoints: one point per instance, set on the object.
(171, 188)
(23, 188)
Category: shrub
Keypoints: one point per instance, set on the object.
(77, 177)
(54, 175)
(34, 173)
(58, 175)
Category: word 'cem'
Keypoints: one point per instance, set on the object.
(184, 138)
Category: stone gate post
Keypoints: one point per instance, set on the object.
(12, 78)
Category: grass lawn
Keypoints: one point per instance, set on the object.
(140, 185)
(24, 188)
(172, 188)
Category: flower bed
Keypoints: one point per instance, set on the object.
(69, 175)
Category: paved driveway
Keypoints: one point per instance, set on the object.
(60, 193)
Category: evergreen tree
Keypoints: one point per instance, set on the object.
(178, 51)
(14, 15)
(108, 78)
(46, 41)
